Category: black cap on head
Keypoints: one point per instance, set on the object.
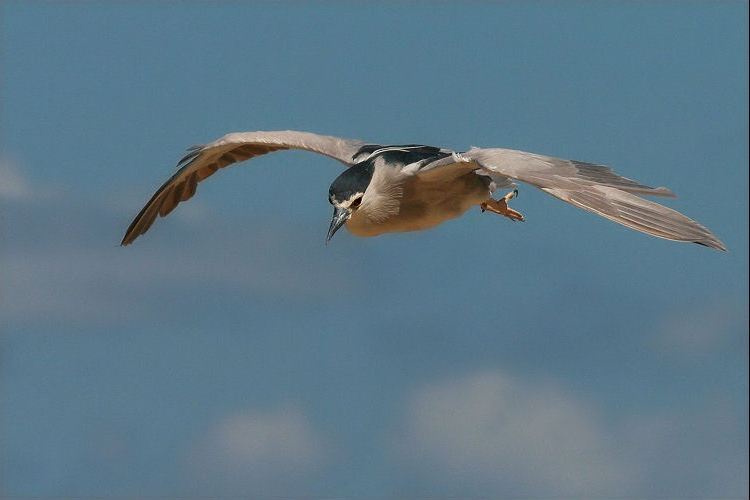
(353, 180)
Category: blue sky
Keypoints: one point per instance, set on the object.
(229, 352)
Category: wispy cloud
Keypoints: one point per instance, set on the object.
(93, 284)
(61, 261)
(682, 454)
(257, 452)
(489, 433)
(705, 328)
(13, 185)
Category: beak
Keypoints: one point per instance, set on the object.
(340, 216)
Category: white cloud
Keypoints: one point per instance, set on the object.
(16, 187)
(13, 185)
(492, 435)
(257, 452)
(703, 329)
(82, 284)
(693, 454)
(488, 432)
(60, 261)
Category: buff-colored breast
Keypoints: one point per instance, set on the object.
(423, 205)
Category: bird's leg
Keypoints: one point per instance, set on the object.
(501, 206)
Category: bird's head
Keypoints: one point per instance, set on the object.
(346, 193)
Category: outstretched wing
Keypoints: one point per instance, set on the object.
(595, 188)
(203, 161)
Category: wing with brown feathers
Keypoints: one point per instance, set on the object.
(202, 161)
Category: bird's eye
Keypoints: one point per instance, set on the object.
(356, 203)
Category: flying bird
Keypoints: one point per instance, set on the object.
(395, 188)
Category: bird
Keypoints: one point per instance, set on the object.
(413, 187)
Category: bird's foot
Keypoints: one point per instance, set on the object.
(501, 206)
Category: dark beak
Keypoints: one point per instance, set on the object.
(340, 216)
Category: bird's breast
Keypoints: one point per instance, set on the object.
(423, 205)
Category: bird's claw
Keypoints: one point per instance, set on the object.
(501, 207)
(511, 195)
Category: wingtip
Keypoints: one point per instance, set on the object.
(129, 238)
(665, 192)
(192, 153)
(716, 244)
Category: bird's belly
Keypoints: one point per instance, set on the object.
(425, 205)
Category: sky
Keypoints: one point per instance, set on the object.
(230, 353)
